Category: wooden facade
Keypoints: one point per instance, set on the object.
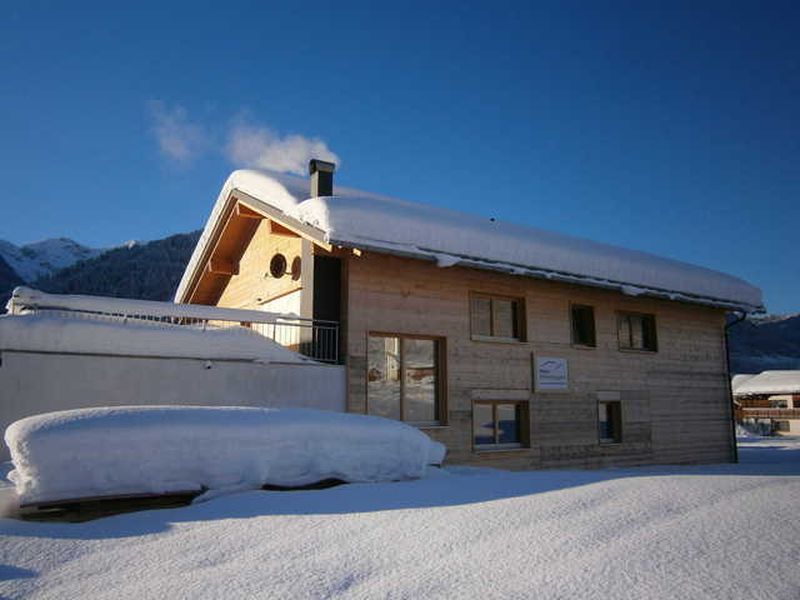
(674, 402)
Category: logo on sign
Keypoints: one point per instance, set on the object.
(551, 373)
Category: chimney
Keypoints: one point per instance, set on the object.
(321, 177)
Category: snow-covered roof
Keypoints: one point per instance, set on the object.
(739, 379)
(372, 222)
(768, 382)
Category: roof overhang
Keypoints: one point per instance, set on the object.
(230, 228)
(444, 259)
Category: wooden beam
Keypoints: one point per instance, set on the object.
(222, 266)
(247, 212)
(276, 228)
(304, 230)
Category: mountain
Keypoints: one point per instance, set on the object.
(149, 271)
(8, 281)
(32, 261)
(765, 343)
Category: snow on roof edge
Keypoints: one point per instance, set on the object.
(444, 259)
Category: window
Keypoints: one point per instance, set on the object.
(609, 422)
(496, 317)
(779, 402)
(404, 380)
(297, 268)
(637, 331)
(499, 424)
(583, 326)
(277, 266)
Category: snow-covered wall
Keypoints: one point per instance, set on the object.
(33, 383)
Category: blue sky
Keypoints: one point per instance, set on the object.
(666, 127)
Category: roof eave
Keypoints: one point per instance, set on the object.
(552, 275)
(214, 227)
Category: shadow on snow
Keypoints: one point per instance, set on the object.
(450, 487)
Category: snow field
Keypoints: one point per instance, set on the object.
(722, 531)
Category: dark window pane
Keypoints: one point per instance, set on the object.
(419, 357)
(609, 421)
(481, 312)
(649, 333)
(503, 318)
(583, 332)
(516, 320)
(604, 422)
(383, 376)
(508, 421)
(483, 424)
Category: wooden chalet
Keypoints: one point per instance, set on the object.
(515, 347)
(770, 401)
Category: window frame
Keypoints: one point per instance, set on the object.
(617, 439)
(573, 337)
(441, 373)
(523, 427)
(626, 314)
(520, 323)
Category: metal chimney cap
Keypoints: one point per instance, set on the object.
(322, 166)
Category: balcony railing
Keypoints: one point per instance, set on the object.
(768, 413)
(315, 338)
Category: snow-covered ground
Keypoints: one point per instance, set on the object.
(720, 531)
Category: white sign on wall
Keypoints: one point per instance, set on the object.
(551, 373)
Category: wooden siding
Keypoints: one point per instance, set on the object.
(675, 401)
(253, 286)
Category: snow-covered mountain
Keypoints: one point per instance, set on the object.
(40, 259)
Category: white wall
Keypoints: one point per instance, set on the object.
(33, 383)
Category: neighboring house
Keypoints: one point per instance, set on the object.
(514, 346)
(769, 400)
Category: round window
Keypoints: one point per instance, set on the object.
(277, 266)
(296, 268)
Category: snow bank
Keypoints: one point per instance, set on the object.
(53, 334)
(354, 218)
(28, 298)
(137, 450)
(768, 382)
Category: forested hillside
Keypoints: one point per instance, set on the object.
(148, 271)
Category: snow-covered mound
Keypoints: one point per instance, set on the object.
(40, 333)
(38, 259)
(139, 450)
(353, 218)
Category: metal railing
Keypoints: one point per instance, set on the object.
(315, 338)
